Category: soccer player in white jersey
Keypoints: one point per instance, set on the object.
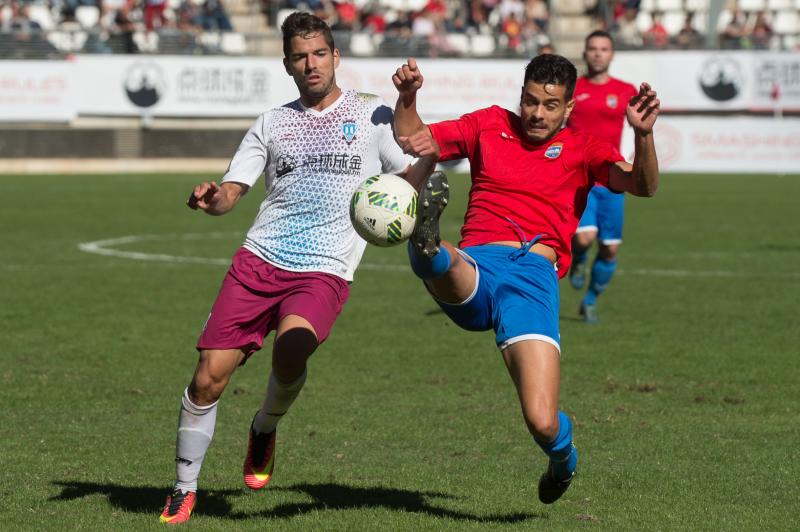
(293, 271)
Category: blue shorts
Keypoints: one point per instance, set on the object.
(604, 213)
(517, 297)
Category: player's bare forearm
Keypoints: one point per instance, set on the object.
(418, 173)
(215, 199)
(406, 119)
(407, 80)
(645, 173)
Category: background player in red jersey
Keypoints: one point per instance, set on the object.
(530, 180)
(600, 103)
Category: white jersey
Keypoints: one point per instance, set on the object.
(313, 161)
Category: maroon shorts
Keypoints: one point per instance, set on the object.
(255, 296)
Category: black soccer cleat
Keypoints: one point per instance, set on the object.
(431, 202)
(550, 488)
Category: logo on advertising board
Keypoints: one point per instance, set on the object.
(721, 78)
(145, 84)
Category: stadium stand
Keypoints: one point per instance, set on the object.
(446, 28)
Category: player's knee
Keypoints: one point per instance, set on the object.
(207, 385)
(584, 239)
(542, 424)
(609, 252)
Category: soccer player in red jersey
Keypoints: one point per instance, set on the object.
(530, 181)
(600, 104)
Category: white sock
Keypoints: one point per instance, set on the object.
(279, 398)
(195, 431)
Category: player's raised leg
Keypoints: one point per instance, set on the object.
(534, 366)
(198, 416)
(295, 341)
(449, 277)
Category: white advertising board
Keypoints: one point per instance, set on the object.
(716, 80)
(37, 91)
(726, 144)
(245, 87)
(122, 85)
(180, 86)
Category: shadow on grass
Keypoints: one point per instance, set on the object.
(326, 496)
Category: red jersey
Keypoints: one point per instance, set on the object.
(601, 108)
(541, 188)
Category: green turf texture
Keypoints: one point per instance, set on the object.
(686, 397)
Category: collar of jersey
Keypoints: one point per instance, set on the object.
(328, 109)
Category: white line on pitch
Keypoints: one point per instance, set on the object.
(104, 247)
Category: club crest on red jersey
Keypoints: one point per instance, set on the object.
(554, 150)
(612, 101)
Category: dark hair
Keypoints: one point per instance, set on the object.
(553, 69)
(599, 33)
(303, 24)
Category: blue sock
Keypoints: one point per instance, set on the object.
(602, 272)
(562, 453)
(429, 268)
(579, 256)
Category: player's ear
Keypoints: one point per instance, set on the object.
(286, 66)
(337, 56)
(570, 107)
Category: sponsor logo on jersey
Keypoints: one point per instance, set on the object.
(286, 163)
(612, 100)
(349, 129)
(553, 150)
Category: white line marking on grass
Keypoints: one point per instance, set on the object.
(107, 247)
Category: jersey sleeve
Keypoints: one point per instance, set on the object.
(393, 160)
(600, 156)
(251, 158)
(458, 138)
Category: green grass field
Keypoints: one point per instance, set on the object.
(686, 397)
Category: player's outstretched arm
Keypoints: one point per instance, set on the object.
(216, 199)
(641, 177)
(407, 80)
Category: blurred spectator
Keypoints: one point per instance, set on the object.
(373, 21)
(154, 13)
(478, 17)
(124, 27)
(761, 34)
(735, 32)
(346, 16)
(536, 10)
(397, 37)
(214, 17)
(545, 48)
(423, 25)
(187, 17)
(688, 37)
(20, 22)
(656, 36)
(628, 33)
(511, 29)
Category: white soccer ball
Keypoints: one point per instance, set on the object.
(384, 210)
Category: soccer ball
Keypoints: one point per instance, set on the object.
(384, 210)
